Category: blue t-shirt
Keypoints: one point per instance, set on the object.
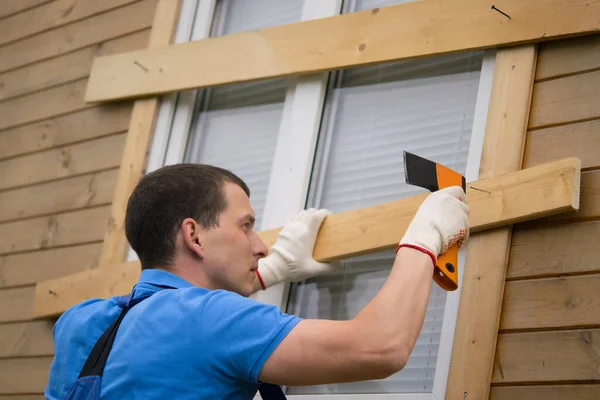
(187, 343)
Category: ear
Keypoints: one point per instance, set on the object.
(191, 236)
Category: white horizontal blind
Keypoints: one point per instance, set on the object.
(372, 114)
(236, 126)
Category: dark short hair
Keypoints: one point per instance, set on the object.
(164, 198)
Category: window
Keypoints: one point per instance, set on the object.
(335, 141)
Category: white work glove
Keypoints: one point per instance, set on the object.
(440, 222)
(291, 257)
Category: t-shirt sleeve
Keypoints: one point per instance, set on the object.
(238, 334)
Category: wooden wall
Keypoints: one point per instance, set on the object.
(59, 159)
(549, 341)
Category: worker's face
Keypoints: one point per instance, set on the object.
(232, 249)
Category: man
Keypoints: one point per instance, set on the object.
(198, 336)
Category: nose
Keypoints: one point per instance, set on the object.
(259, 248)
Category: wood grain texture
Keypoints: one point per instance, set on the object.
(63, 162)
(571, 301)
(57, 230)
(348, 40)
(9, 7)
(26, 339)
(139, 139)
(16, 305)
(581, 140)
(58, 196)
(355, 232)
(65, 68)
(52, 15)
(551, 392)
(565, 100)
(24, 375)
(29, 268)
(22, 397)
(568, 57)
(487, 254)
(112, 24)
(548, 357)
(65, 129)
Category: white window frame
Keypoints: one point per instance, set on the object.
(291, 172)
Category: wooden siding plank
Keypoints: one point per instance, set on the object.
(548, 357)
(58, 131)
(567, 57)
(65, 68)
(52, 15)
(16, 305)
(581, 140)
(24, 375)
(58, 196)
(112, 24)
(565, 100)
(9, 7)
(572, 301)
(29, 268)
(90, 156)
(75, 227)
(551, 392)
(23, 397)
(487, 256)
(535, 253)
(26, 339)
(344, 235)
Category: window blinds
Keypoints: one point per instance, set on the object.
(372, 114)
(236, 126)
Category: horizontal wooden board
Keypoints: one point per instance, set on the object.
(26, 339)
(16, 305)
(24, 375)
(44, 104)
(352, 39)
(112, 24)
(550, 392)
(58, 196)
(9, 7)
(547, 357)
(567, 57)
(52, 15)
(565, 100)
(67, 67)
(81, 158)
(554, 250)
(29, 268)
(362, 231)
(66, 129)
(581, 140)
(82, 226)
(22, 397)
(572, 301)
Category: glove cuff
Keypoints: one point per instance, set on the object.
(421, 249)
(272, 270)
(260, 280)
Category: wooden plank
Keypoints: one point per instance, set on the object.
(44, 104)
(9, 7)
(52, 15)
(572, 301)
(580, 139)
(29, 268)
(548, 357)
(81, 158)
(357, 232)
(26, 339)
(66, 129)
(22, 397)
(487, 256)
(552, 392)
(565, 100)
(348, 40)
(24, 375)
(58, 196)
(16, 305)
(568, 57)
(139, 139)
(82, 226)
(67, 67)
(112, 24)
(535, 253)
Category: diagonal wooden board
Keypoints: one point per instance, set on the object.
(403, 31)
(536, 192)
